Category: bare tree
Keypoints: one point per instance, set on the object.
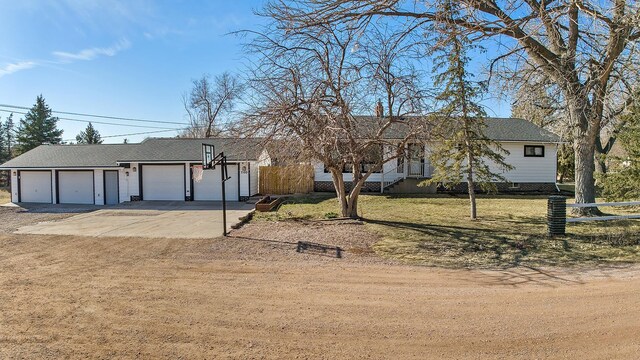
(587, 49)
(309, 87)
(208, 102)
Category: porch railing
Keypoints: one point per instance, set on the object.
(391, 177)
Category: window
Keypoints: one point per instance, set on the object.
(534, 151)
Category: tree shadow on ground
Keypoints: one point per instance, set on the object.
(475, 247)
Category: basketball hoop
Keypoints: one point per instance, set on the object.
(198, 172)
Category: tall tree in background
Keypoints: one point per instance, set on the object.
(623, 181)
(308, 86)
(6, 145)
(208, 102)
(533, 103)
(587, 49)
(9, 135)
(89, 136)
(4, 148)
(38, 127)
(462, 151)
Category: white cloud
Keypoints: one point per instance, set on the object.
(15, 67)
(92, 53)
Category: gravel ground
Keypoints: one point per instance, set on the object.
(12, 218)
(68, 297)
(278, 241)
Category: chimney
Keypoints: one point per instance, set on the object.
(379, 109)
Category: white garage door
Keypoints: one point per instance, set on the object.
(75, 187)
(210, 187)
(163, 182)
(35, 186)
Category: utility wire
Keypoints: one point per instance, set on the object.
(122, 135)
(98, 116)
(101, 122)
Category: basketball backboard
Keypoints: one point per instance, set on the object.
(208, 154)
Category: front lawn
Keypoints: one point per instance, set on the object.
(511, 230)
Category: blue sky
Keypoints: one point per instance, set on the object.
(120, 58)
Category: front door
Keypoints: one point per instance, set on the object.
(111, 187)
(416, 160)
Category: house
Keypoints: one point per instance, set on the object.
(155, 169)
(532, 153)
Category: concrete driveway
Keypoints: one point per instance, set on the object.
(155, 219)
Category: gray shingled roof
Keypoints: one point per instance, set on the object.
(498, 129)
(155, 149)
(173, 149)
(69, 156)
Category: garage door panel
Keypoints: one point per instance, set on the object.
(210, 188)
(35, 187)
(75, 187)
(163, 182)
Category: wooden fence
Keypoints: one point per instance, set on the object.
(282, 180)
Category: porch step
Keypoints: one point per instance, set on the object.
(410, 186)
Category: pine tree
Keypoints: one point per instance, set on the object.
(89, 136)
(38, 127)
(622, 182)
(463, 152)
(9, 129)
(4, 151)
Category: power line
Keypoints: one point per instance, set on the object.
(98, 116)
(131, 134)
(100, 122)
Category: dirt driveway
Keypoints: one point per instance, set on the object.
(153, 219)
(238, 298)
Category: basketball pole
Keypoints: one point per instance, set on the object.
(223, 161)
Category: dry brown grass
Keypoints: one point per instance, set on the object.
(5, 196)
(511, 231)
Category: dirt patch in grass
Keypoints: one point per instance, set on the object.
(354, 240)
(511, 231)
(12, 218)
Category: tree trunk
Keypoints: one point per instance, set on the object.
(338, 184)
(353, 199)
(586, 132)
(584, 147)
(471, 188)
(601, 163)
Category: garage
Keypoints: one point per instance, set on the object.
(210, 188)
(75, 187)
(35, 187)
(163, 182)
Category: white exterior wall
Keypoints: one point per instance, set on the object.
(254, 175)
(526, 169)
(98, 175)
(128, 181)
(244, 178)
(529, 169)
(14, 186)
(263, 160)
(98, 185)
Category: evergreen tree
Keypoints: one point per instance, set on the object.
(38, 127)
(622, 182)
(89, 136)
(463, 152)
(9, 129)
(4, 151)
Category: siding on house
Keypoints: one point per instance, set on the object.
(526, 169)
(244, 179)
(529, 169)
